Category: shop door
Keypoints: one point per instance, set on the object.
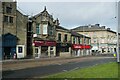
(37, 52)
(20, 51)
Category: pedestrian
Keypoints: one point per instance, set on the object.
(114, 54)
(15, 56)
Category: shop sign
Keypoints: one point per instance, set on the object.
(80, 46)
(44, 43)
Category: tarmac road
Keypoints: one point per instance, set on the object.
(42, 71)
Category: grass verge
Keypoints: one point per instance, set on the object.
(107, 70)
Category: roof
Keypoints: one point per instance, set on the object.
(73, 33)
(44, 12)
(62, 28)
(95, 27)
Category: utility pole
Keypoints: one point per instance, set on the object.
(118, 25)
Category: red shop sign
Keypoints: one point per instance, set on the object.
(50, 43)
(44, 43)
(80, 46)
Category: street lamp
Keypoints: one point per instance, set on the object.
(117, 18)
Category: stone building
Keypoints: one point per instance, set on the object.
(81, 45)
(13, 29)
(21, 25)
(103, 39)
(44, 33)
(63, 39)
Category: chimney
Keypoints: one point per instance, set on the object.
(57, 22)
(97, 24)
(108, 28)
(103, 27)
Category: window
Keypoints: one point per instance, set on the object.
(36, 50)
(19, 49)
(44, 29)
(51, 29)
(11, 19)
(59, 37)
(64, 49)
(79, 40)
(8, 9)
(74, 40)
(65, 37)
(6, 19)
(51, 48)
(38, 29)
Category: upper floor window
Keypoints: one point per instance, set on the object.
(38, 29)
(59, 37)
(74, 40)
(45, 31)
(8, 9)
(11, 19)
(51, 30)
(8, 19)
(65, 37)
(79, 40)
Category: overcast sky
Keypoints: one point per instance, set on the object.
(74, 14)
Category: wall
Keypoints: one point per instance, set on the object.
(22, 30)
(9, 27)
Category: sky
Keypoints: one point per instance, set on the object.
(76, 13)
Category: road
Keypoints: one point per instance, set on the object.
(42, 71)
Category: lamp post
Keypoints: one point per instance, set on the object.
(117, 18)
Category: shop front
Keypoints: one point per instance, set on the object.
(80, 50)
(44, 49)
(63, 49)
(9, 46)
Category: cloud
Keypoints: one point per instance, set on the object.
(72, 14)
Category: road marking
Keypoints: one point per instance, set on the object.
(64, 70)
(59, 64)
(75, 68)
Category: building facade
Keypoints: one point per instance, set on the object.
(44, 29)
(103, 39)
(81, 45)
(13, 31)
(63, 39)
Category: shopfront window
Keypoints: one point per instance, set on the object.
(36, 50)
(65, 49)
